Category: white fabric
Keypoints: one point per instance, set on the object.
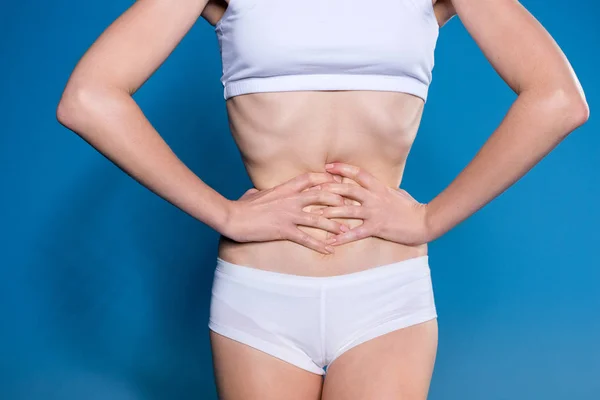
(284, 45)
(311, 321)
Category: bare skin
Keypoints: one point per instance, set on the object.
(397, 365)
(282, 135)
(287, 138)
(242, 372)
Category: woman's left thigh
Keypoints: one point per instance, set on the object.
(397, 365)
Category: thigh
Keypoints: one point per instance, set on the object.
(397, 365)
(245, 373)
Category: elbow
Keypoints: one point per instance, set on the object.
(583, 112)
(71, 105)
(81, 103)
(568, 109)
(577, 111)
(65, 110)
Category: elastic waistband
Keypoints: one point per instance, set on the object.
(340, 81)
(242, 272)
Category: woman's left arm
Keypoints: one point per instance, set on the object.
(550, 104)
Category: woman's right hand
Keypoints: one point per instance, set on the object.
(275, 213)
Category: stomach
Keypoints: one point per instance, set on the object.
(284, 134)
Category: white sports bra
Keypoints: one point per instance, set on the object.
(289, 45)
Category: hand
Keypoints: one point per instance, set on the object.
(387, 213)
(275, 213)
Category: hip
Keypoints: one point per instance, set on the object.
(311, 321)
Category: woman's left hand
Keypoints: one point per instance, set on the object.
(388, 213)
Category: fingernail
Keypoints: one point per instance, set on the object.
(337, 178)
(329, 249)
(331, 240)
(344, 228)
(328, 166)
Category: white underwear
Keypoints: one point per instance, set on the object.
(310, 321)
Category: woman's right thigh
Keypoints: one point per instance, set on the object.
(245, 373)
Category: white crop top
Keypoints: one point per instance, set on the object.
(288, 45)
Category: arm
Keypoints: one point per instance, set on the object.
(97, 104)
(550, 104)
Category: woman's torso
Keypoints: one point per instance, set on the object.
(284, 134)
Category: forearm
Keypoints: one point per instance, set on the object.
(534, 125)
(111, 121)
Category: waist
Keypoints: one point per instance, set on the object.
(407, 270)
(288, 257)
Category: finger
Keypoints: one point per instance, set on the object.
(355, 212)
(303, 238)
(348, 190)
(336, 178)
(305, 181)
(360, 175)
(318, 221)
(311, 197)
(360, 232)
(317, 187)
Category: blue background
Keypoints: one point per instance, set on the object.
(104, 287)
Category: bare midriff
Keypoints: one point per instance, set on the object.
(284, 134)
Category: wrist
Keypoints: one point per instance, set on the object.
(222, 216)
(429, 223)
(437, 220)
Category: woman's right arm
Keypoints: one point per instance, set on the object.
(97, 104)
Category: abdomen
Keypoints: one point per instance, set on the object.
(281, 135)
